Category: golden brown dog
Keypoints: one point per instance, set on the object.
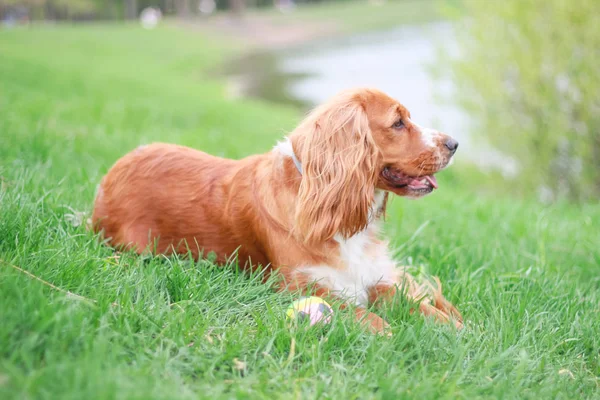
(310, 208)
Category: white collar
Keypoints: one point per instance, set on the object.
(285, 148)
(297, 162)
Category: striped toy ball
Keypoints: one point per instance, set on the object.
(313, 309)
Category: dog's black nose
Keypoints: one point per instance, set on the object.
(451, 145)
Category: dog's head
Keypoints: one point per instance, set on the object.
(360, 141)
(410, 155)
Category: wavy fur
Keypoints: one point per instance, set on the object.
(339, 159)
(313, 227)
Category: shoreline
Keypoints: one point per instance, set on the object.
(272, 30)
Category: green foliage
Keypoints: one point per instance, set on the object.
(73, 100)
(528, 75)
(77, 6)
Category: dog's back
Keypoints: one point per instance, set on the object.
(165, 198)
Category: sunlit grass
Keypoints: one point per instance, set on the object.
(72, 101)
(359, 15)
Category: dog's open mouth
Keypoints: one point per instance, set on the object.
(398, 180)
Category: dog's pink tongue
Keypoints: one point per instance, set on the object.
(418, 184)
(432, 180)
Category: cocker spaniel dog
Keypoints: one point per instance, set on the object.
(309, 209)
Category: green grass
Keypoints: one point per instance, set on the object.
(358, 15)
(73, 100)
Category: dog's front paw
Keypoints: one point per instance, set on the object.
(373, 322)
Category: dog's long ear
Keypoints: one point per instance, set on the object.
(339, 160)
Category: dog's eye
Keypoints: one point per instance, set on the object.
(398, 124)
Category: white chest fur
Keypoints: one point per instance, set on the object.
(364, 265)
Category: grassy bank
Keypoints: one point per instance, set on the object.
(356, 16)
(73, 100)
(269, 28)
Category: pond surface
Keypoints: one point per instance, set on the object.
(399, 62)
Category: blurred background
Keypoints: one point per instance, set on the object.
(515, 81)
(512, 231)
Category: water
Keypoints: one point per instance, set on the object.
(399, 62)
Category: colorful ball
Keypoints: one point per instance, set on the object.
(312, 309)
